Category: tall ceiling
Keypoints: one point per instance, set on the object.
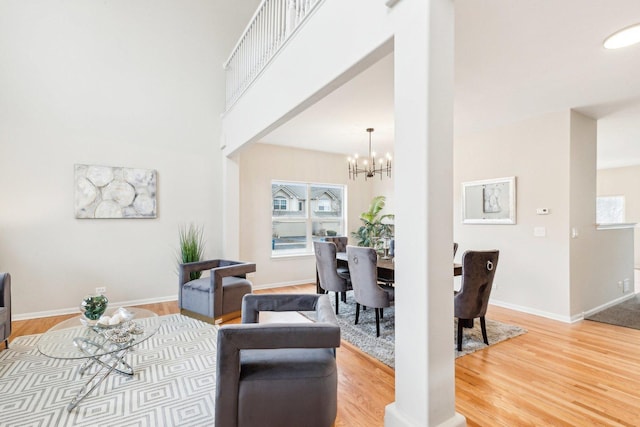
(513, 60)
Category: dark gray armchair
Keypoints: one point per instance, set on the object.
(330, 278)
(364, 279)
(478, 271)
(278, 374)
(5, 308)
(218, 297)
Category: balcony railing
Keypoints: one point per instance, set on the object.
(272, 24)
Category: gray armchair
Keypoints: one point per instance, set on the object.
(5, 308)
(364, 279)
(478, 271)
(278, 374)
(215, 298)
(330, 278)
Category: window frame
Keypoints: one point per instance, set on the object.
(309, 217)
(280, 208)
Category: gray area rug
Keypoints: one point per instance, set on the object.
(363, 335)
(173, 384)
(626, 313)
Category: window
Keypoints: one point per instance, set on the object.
(320, 212)
(609, 209)
(324, 205)
(279, 204)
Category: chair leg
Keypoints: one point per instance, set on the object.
(377, 322)
(357, 312)
(344, 297)
(6, 344)
(337, 301)
(483, 326)
(382, 313)
(460, 326)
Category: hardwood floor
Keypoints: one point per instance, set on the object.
(557, 374)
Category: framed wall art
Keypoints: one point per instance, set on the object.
(114, 192)
(490, 201)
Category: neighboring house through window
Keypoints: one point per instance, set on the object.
(304, 212)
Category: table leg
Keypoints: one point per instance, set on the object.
(108, 363)
(101, 374)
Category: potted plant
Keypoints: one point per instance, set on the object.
(373, 229)
(191, 247)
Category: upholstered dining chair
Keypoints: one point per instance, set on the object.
(341, 242)
(278, 374)
(330, 278)
(5, 308)
(478, 271)
(217, 297)
(364, 279)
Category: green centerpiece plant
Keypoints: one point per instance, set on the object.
(191, 247)
(375, 226)
(94, 306)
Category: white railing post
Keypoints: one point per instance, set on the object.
(268, 30)
(291, 17)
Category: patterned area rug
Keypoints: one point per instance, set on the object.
(626, 314)
(363, 335)
(173, 384)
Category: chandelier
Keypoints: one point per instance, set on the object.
(369, 166)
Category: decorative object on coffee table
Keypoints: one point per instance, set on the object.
(94, 306)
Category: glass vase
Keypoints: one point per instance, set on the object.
(94, 306)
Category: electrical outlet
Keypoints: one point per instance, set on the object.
(626, 285)
(101, 290)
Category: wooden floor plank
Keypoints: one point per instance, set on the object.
(557, 374)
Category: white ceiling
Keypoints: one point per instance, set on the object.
(513, 60)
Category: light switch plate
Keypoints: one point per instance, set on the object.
(539, 231)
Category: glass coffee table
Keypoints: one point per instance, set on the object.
(104, 347)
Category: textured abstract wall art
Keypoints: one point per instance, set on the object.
(114, 192)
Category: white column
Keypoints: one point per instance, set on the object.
(423, 55)
(231, 207)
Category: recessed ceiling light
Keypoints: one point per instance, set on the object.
(625, 37)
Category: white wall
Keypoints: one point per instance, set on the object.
(532, 272)
(136, 84)
(600, 259)
(553, 158)
(259, 165)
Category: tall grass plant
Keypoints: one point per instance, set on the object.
(191, 246)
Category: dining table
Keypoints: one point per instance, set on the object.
(386, 268)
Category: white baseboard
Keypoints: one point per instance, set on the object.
(554, 316)
(395, 418)
(529, 310)
(74, 310)
(609, 304)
